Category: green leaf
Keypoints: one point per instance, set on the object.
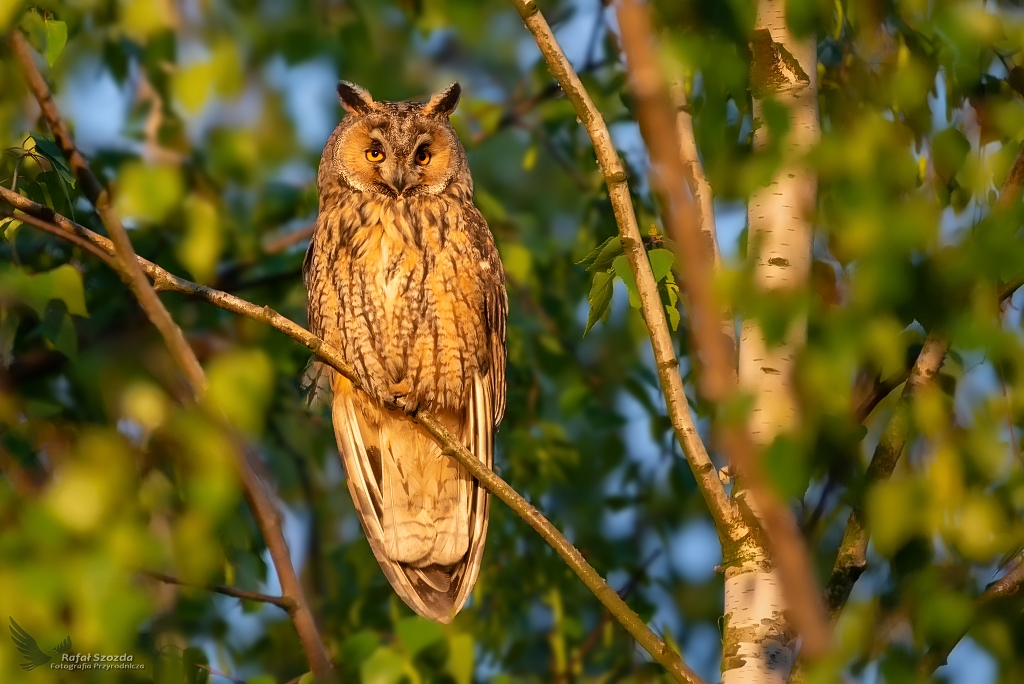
(36, 291)
(262, 679)
(192, 658)
(385, 666)
(307, 678)
(602, 255)
(56, 38)
(662, 261)
(10, 227)
(241, 386)
(415, 633)
(9, 322)
(358, 647)
(460, 659)
(673, 316)
(530, 158)
(600, 297)
(949, 151)
(148, 192)
(621, 265)
(59, 329)
(49, 151)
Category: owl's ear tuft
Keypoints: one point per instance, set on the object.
(354, 99)
(443, 103)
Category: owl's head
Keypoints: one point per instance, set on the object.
(396, 149)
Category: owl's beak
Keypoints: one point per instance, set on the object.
(397, 180)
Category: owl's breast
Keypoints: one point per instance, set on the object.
(415, 277)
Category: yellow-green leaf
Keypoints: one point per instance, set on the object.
(148, 193)
(56, 38)
(201, 248)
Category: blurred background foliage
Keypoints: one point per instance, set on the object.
(207, 118)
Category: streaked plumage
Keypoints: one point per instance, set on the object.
(403, 277)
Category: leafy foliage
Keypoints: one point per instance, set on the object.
(215, 114)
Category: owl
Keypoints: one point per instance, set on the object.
(404, 279)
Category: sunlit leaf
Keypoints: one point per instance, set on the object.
(56, 37)
(622, 270)
(384, 666)
(146, 192)
(662, 261)
(63, 283)
(416, 633)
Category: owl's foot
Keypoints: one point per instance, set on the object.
(400, 391)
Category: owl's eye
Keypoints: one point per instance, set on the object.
(374, 155)
(422, 156)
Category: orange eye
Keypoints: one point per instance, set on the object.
(423, 157)
(374, 155)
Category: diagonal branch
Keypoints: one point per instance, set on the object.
(282, 602)
(1006, 586)
(723, 511)
(852, 559)
(46, 219)
(718, 381)
(131, 271)
(703, 196)
(100, 198)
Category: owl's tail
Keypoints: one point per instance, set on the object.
(424, 515)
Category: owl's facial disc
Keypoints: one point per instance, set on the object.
(399, 161)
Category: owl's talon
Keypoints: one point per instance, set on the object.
(400, 389)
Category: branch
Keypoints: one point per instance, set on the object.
(1005, 587)
(718, 381)
(164, 281)
(878, 391)
(100, 198)
(131, 271)
(282, 602)
(852, 559)
(704, 197)
(723, 511)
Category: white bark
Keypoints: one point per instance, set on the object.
(757, 641)
(761, 650)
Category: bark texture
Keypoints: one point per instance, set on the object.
(758, 644)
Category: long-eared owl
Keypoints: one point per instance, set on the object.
(404, 279)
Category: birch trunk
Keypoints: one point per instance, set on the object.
(758, 644)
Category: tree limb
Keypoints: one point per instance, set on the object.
(131, 271)
(100, 198)
(724, 513)
(852, 559)
(167, 282)
(718, 381)
(1005, 587)
(703, 196)
(282, 602)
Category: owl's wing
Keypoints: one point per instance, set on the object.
(362, 430)
(495, 307)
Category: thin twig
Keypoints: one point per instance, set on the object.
(879, 390)
(1005, 587)
(718, 380)
(282, 602)
(451, 446)
(723, 511)
(131, 271)
(283, 242)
